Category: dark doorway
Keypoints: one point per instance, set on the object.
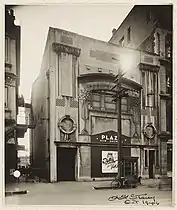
(151, 163)
(66, 164)
(169, 159)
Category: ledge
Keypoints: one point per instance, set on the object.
(149, 67)
(165, 96)
(58, 48)
(90, 144)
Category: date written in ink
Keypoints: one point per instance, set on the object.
(144, 199)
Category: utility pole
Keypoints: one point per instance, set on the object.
(119, 132)
(118, 100)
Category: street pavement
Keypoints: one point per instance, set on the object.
(83, 193)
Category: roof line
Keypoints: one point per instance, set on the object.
(132, 10)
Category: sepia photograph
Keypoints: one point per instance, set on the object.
(88, 105)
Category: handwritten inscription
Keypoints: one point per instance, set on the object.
(144, 199)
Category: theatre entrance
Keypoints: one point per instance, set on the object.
(66, 164)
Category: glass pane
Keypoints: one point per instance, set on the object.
(95, 97)
(109, 99)
(95, 104)
(110, 106)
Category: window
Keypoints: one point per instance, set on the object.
(7, 49)
(6, 97)
(109, 103)
(143, 90)
(96, 100)
(124, 105)
(168, 46)
(157, 43)
(149, 16)
(105, 101)
(128, 35)
(121, 42)
(74, 61)
(145, 158)
(153, 89)
(157, 158)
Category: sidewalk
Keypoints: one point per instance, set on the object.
(14, 187)
(79, 193)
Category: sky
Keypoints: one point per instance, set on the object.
(96, 21)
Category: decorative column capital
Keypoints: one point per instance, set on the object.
(59, 48)
(164, 135)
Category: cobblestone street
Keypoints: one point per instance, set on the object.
(83, 193)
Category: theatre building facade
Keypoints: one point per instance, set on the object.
(75, 112)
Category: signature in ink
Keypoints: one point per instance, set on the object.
(135, 199)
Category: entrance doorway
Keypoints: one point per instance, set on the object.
(66, 164)
(151, 163)
(130, 166)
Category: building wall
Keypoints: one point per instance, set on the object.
(95, 57)
(39, 145)
(73, 62)
(12, 75)
(139, 26)
(149, 34)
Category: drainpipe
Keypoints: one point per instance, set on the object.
(48, 121)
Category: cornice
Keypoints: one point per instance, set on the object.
(59, 48)
(149, 67)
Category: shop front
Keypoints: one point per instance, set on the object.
(104, 155)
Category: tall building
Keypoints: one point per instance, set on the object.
(75, 115)
(149, 29)
(13, 130)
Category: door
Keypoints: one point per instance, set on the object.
(130, 166)
(151, 163)
(66, 164)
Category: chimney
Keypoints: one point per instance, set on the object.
(113, 31)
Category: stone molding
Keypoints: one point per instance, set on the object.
(61, 48)
(149, 67)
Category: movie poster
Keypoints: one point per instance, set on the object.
(109, 161)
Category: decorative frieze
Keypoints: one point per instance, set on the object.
(148, 67)
(60, 102)
(61, 48)
(73, 103)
